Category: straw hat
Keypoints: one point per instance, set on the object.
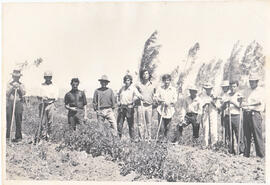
(104, 78)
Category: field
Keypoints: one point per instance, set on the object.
(91, 153)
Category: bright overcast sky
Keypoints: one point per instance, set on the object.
(91, 39)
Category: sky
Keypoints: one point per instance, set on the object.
(87, 40)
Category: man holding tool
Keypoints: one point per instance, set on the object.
(14, 105)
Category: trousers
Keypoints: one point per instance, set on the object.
(210, 127)
(17, 118)
(253, 127)
(47, 121)
(235, 119)
(126, 113)
(75, 118)
(145, 121)
(108, 114)
(166, 129)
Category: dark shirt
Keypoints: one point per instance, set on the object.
(75, 99)
(104, 98)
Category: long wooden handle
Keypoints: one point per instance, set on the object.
(230, 127)
(13, 112)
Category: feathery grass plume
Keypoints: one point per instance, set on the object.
(253, 60)
(232, 67)
(24, 65)
(150, 53)
(191, 58)
(208, 72)
(174, 74)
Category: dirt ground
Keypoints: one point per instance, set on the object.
(44, 162)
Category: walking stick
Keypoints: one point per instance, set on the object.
(223, 128)
(240, 129)
(209, 122)
(161, 117)
(230, 127)
(13, 112)
(41, 121)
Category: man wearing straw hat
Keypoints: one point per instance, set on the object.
(209, 115)
(14, 105)
(48, 95)
(225, 86)
(166, 96)
(75, 103)
(253, 107)
(104, 103)
(191, 112)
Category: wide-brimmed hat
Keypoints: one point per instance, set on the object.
(254, 77)
(207, 86)
(47, 73)
(225, 83)
(193, 87)
(16, 72)
(104, 78)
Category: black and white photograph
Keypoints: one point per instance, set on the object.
(125, 91)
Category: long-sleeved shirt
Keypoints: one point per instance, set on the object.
(147, 91)
(104, 98)
(50, 91)
(10, 93)
(127, 96)
(256, 96)
(169, 97)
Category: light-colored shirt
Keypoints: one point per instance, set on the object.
(147, 92)
(190, 106)
(127, 96)
(169, 96)
(50, 91)
(255, 96)
(233, 99)
(222, 98)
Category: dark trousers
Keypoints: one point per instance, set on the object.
(75, 118)
(165, 128)
(126, 113)
(253, 126)
(17, 118)
(235, 120)
(191, 118)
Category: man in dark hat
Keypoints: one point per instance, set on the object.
(253, 108)
(15, 96)
(104, 103)
(75, 103)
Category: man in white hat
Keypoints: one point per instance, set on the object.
(223, 96)
(48, 94)
(104, 104)
(253, 107)
(191, 112)
(15, 85)
(209, 115)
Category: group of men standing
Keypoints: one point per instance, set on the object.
(201, 111)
